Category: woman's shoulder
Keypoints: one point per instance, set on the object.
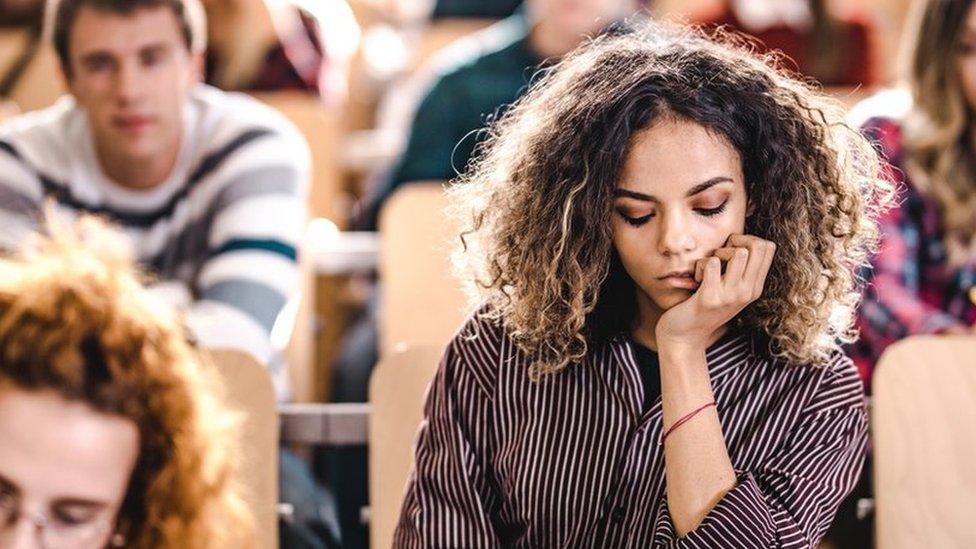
(483, 329)
(835, 382)
(479, 346)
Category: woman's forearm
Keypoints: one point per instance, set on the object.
(696, 460)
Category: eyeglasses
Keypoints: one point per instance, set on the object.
(54, 532)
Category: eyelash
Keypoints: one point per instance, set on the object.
(705, 212)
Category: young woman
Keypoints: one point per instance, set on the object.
(924, 277)
(112, 434)
(665, 234)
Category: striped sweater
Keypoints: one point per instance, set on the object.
(221, 234)
(572, 461)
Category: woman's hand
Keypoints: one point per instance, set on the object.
(720, 297)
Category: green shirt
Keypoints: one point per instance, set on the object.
(452, 117)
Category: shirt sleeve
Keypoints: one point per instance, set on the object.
(449, 497)
(251, 272)
(892, 307)
(21, 196)
(792, 498)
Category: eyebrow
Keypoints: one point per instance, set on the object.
(701, 187)
(156, 47)
(95, 56)
(8, 485)
(79, 502)
(100, 55)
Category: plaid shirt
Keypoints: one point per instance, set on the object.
(912, 289)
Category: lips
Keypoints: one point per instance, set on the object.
(680, 279)
(132, 123)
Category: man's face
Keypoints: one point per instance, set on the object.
(131, 74)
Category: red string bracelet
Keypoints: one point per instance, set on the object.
(682, 421)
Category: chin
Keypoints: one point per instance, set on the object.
(671, 298)
(142, 151)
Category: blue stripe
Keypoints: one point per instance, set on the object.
(272, 246)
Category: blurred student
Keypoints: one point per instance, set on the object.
(113, 430)
(27, 16)
(209, 186)
(446, 9)
(924, 277)
(834, 50)
(480, 82)
(28, 72)
(256, 46)
(656, 361)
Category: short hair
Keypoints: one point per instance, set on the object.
(61, 16)
(75, 319)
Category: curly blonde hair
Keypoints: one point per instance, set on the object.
(74, 319)
(536, 204)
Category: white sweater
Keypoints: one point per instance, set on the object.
(221, 233)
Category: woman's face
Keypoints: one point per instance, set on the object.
(966, 58)
(680, 196)
(62, 464)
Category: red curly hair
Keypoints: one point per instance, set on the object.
(74, 318)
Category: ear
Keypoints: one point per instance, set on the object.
(66, 80)
(750, 208)
(198, 62)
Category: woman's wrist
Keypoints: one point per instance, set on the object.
(680, 349)
(684, 372)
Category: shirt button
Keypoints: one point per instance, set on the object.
(618, 513)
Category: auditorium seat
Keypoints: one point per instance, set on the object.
(40, 84)
(924, 435)
(396, 396)
(422, 302)
(250, 391)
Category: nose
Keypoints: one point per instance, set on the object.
(23, 534)
(676, 235)
(128, 83)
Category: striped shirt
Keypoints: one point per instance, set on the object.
(221, 233)
(571, 461)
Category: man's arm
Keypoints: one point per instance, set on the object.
(251, 271)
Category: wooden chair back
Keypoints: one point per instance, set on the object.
(924, 435)
(250, 391)
(40, 84)
(423, 303)
(396, 395)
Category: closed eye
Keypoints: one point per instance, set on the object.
(636, 221)
(709, 212)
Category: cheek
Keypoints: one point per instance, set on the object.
(966, 68)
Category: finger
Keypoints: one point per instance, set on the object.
(725, 254)
(736, 267)
(712, 274)
(700, 269)
(742, 240)
(758, 250)
(770, 254)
